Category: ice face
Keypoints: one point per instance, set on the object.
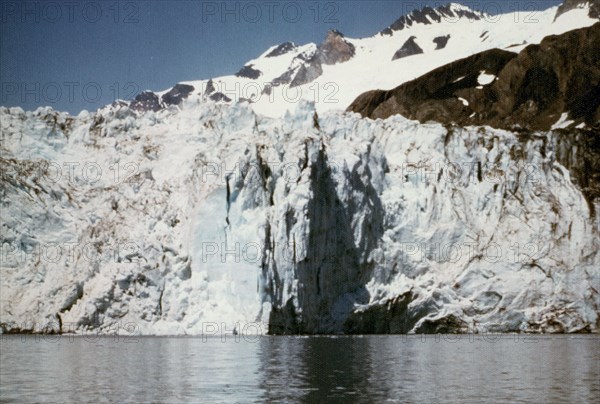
(177, 222)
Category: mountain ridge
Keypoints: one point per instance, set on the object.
(530, 90)
(333, 73)
(428, 15)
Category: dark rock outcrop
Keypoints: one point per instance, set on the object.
(268, 89)
(281, 49)
(146, 101)
(532, 89)
(441, 41)
(149, 101)
(409, 48)
(249, 72)
(219, 96)
(210, 87)
(177, 94)
(307, 73)
(306, 68)
(578, 151)
(432, 96)
(285, 78)
(335, 49)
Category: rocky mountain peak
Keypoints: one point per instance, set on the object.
(429, 15)
(281, 49)
(177, 94)
(249, 72)
(146, 101)
(335, 49)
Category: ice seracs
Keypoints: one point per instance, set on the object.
(222, 216)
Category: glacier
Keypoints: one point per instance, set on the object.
(211, 216)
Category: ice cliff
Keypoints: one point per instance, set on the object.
(164, 222)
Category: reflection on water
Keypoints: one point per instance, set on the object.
(420, 369)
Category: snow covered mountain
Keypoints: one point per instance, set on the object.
(553, 84)
(333, 73)
(186, 213)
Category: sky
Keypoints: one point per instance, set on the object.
(75, 55)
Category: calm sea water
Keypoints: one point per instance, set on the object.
(378, 369)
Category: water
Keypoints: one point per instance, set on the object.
(427, 369)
